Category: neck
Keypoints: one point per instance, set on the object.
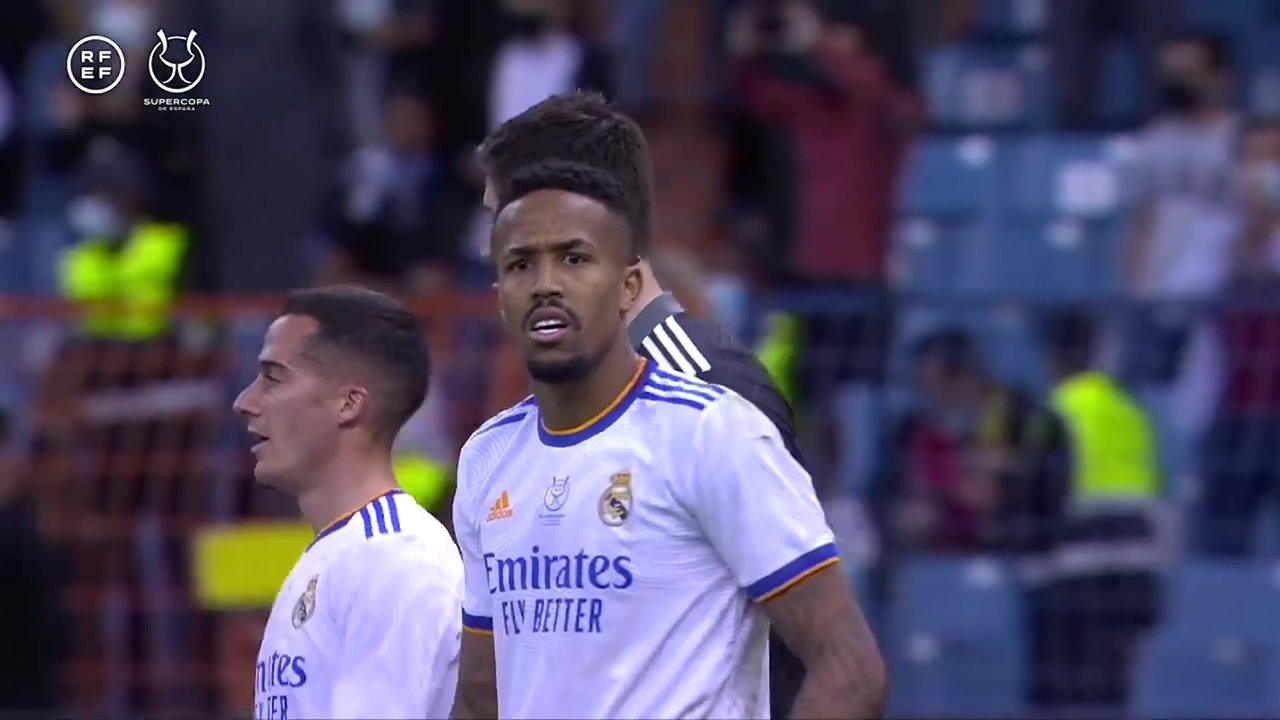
(570, 404)
(345, 487)
(650, 290)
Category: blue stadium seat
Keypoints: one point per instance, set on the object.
(1234, 17)
(1261, 69)
(1120, 102)
(941, 257)
(1078, 175)
(1228, 597)
(954, 640)
(1017, 18)
(951, 177)
(1061, 259)
(1186, 671)
(975, 86)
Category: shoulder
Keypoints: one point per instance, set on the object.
(496, 432)
(688, 404)
(512, 416)
(681, 344)
(399, 563)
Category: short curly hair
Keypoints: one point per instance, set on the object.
(578, 127)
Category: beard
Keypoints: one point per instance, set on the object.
(558, 372)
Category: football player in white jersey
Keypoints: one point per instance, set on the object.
(367, 623)
(628, 534)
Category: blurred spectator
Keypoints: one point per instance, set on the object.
(978, 468)
(1187, 222)
(388, 42)
(1098, 591)
(542, 56)
(1083, 33)
(822, 80)
(402, 206)
(127, 266)
(1241, 468)
(34, 641)
(21, 26)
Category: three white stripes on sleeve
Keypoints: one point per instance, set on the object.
(670, 346)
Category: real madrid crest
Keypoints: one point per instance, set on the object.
(306, 605)
(615, 502)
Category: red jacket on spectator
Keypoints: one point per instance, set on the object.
(849, 146)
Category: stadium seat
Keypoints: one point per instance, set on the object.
(1074, 175)
(976, 86)
(955, 178)
(1060, 259)
(1232, 18)
(1012, 18)
(1261, 71)
(1239, 598)
(942, 257)
(1186, 671)
(954, 640)
(1120, 102)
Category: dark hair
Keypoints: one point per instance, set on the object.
(1216, 45)
(379, 333)
(952, 347)
(1070, 336)
(579, 127)
(582, 180)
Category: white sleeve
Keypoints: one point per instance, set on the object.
(755, 502)
(476, 613)
(399, 632)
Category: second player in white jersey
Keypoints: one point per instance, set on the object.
(366, 623)
(619, 566)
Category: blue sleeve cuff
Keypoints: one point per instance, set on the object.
(789, 575)
(477, 623)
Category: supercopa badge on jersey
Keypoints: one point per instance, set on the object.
(615, 502)
(306, 605)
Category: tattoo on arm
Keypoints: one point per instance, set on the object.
(477, 696)
(822, 623)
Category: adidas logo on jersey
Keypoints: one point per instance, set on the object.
(501, 509)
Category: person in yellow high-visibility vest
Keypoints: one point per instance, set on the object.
(779, 352)
(1100, 587)
(126, 267)
(417, 457)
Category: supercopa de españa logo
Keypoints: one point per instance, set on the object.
(176, 65)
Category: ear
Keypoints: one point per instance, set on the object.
(632, 285)
(490, 198)
(353, 404)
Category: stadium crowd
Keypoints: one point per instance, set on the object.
(1015, 264)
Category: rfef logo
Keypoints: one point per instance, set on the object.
(95, 64)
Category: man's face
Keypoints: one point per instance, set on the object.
(565, 281)
(290, 406)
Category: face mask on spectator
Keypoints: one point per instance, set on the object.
(1180, 95)
(94, 217)
(359, 16)
(127, 23)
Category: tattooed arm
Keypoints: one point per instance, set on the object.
(477, 697)
(822, 623)
(757, 507)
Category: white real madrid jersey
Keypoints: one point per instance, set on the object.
(367, 623)
(620, 565)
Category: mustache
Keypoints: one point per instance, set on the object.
(573, 317)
